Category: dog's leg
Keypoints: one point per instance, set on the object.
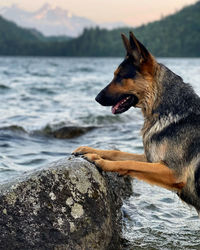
(153, 173)
(112, 155)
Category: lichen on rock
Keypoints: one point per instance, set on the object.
(66, 205)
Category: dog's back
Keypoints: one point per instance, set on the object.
(173, 134)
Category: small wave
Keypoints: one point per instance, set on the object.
(4, 87)
(6, 164)
(53, 64)
(39, 74)
(47, 91)
(14, 128)
(62, 132)
(32, 162)
(82, 69)
(66, 132)
(104, 119)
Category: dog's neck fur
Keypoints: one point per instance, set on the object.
(171, 101)
(175, 97)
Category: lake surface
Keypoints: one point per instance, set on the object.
(48, 109)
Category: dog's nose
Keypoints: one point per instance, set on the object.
(104, 98)
(99, 97)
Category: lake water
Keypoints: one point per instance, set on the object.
(48, 109)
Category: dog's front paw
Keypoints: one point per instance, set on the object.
(100, 162)
(95, 159)
(83, 150)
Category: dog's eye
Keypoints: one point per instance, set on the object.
(118, 78)
(129, 75)
(124, 75)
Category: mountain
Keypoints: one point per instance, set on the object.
(51, 21)
(177, 35)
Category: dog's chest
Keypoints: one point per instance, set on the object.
(155, 152)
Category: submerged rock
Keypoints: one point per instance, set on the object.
(66, 132)
(67, 205)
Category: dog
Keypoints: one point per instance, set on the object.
(171, 130)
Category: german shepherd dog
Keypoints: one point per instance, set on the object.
(171, 130)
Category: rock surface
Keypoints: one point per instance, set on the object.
(67, 205)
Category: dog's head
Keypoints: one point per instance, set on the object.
(131, 80)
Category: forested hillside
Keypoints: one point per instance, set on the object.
(15, 40)
(177, 35)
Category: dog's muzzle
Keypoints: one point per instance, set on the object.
(104, 98)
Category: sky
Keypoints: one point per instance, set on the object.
(131, 12)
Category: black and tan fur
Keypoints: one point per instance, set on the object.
(171, 131)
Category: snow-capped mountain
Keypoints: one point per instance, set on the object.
(52, 21)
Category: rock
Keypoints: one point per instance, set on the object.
(66, 132)
(67, 205)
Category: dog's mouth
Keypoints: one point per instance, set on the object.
(125, 103)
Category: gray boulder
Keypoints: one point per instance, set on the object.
(67, 205)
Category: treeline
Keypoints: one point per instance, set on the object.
(15, 40)
(177, 35)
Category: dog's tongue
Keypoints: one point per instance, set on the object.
(116, 106)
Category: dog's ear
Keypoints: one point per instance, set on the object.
(135, 49)
(139, 52)
(126, 44)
